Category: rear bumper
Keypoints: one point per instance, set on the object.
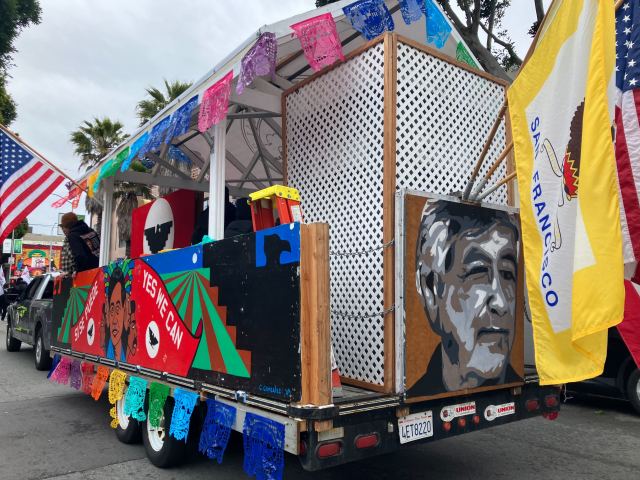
(343, 438)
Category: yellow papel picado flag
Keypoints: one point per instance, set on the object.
(561, 108)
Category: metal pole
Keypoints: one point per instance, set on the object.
(107, 216)
(217, 197)
(13, 260)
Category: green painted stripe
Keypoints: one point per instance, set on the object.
(174, 284)
(232, 360)
(182, 309)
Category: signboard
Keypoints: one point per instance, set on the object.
(17, 246)
(60, 232)
(6, 246)
(463, 293)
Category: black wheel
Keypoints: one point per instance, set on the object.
(40, 354)
(128, 429)
(633, 389)
(163, 450)
(13, 344)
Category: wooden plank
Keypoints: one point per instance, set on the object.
(511, 164)
(283, 139)
(315, 328)
(388, 194)
(364, 385)
(322, 425)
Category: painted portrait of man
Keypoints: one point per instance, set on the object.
(119, 333)
(466, 268)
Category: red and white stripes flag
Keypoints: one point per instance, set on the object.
(627, 144)
(25, 182)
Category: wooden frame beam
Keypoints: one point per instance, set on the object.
(389, 191)
(315, 323)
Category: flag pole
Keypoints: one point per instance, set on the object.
(491, 170)
(485, 150)
(619, 4)
(41, 157)
(506, 179)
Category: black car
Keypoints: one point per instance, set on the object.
(621, 376)
(29, 320)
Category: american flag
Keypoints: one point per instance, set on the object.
(25, 182)
(628, 124)
(628, 160)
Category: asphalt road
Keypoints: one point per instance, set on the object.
(49, 431)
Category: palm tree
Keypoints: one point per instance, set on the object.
(94, 140)
(149, 107)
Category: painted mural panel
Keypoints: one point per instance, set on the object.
(225, 313)
(463, 299)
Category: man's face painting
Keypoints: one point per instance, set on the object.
(477, 305)
(116, 314)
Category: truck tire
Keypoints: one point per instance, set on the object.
(13, 344)
(633, 389)
(128, 430)
(163, 450)
(40, 354)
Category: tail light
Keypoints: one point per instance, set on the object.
(302, 449)
(462, 422)
(446, 426)
(327, 450)
(551, 401)
(369, 440)
(550, 415)
(532, 405)
(476, 419)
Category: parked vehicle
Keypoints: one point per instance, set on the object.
(621, 376)
(29, 320)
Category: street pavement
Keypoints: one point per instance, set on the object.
(50, 431)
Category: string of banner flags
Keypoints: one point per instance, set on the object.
(263, 437)
(321, 46)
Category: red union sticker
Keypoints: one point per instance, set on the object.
(495, 411)
(453, 411)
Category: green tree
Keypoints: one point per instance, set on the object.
(93, 140)
(22, 229)
(15, 15)
(7, 105)
(156, 100)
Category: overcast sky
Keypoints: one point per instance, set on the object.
(95, 58)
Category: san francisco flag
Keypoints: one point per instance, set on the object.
(561, 106)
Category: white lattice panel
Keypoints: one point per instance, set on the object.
(334, 158)
(444, 115)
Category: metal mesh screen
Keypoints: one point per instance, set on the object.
(334, 158)
(444, 115)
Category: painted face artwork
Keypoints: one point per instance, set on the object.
(120, 323)
(466, 277)
(477, 306)
(116, 315)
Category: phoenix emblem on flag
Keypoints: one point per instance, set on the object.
(569, 170)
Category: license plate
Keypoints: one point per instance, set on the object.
(415, 426)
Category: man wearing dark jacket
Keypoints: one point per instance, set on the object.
(83, 241)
